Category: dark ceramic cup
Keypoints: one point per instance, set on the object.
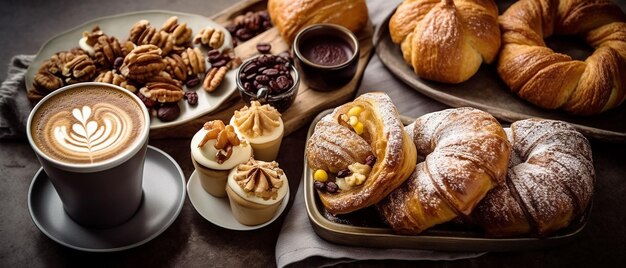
(99, 194)
(327, 55)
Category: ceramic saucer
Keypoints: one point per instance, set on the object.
(217, 210)
(164, 195)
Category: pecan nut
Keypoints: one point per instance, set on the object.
(176, 67)
(115, 79)
(194, 59)
(143, 62)
(79, 69)
(214, 78)
(106, 50)
(143, 34)
(179, 31)
(209, 36)
(162, 92)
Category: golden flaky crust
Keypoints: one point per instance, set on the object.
(445, 40)
(466, 155)
(549, 182)
(553, 80)
(392, 146)
(290, 16)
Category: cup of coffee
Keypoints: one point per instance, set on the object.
(327, 55)
(91, 139)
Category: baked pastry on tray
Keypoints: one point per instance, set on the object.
(466, 154)
(553, 80)
(446, 40)
(549, 182)
(360, 153)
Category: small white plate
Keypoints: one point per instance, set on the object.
(217, 210)
(119, 26)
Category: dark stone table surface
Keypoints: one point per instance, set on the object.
(192, 241)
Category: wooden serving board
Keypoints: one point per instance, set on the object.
(308, 102)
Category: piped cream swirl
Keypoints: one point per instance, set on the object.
(258, 123)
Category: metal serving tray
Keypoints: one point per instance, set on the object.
(365, 228)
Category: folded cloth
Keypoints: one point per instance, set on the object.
(297, 241)
(14, 106)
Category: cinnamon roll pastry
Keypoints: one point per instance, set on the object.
(466, 154)
(360, 153)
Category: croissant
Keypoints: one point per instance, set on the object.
(466, 155)
(446, 40)
(549, 182)
(290, 16)
(553, 80)
(368, 126)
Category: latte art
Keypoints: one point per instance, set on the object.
(88, 136)
(88, 125)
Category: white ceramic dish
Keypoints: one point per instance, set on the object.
(119, 26)
(217, 210)
(164, 195)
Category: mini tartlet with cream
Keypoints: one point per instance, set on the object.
(215, 150)
(262, 126)
(255, 190)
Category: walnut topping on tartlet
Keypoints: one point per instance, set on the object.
(260, 178)
(225, 136)
(256, 119)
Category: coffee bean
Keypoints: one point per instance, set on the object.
(251, 76)
(274, 86)
(192, 82)
(370, 160)
(213, 54)
(147, 102)
(219, 63)
(247, 86)
(270, 72)
(191, 97)
(260, 70)
(168, 113)
(319, 185)
(343, 173)
(250, 68)
(283, 82)
(331, 187)
(285, 55)
(262, 79)
(264, 47)
(118, 63)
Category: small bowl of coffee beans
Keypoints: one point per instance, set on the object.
(269, 79)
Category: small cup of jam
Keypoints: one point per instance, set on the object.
(269, 79)
(326, 55)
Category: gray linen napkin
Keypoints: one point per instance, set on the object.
(14, 106)
(297, 241)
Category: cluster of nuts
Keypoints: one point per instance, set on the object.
(351, 120)
(225, 137)
(63, 68)
(246, 26)
(221, 63)
(354, 175)
(154, 63)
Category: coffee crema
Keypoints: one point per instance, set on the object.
(86, 125)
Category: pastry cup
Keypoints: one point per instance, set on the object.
(250, 213)
(213, 181)
(266, 150)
